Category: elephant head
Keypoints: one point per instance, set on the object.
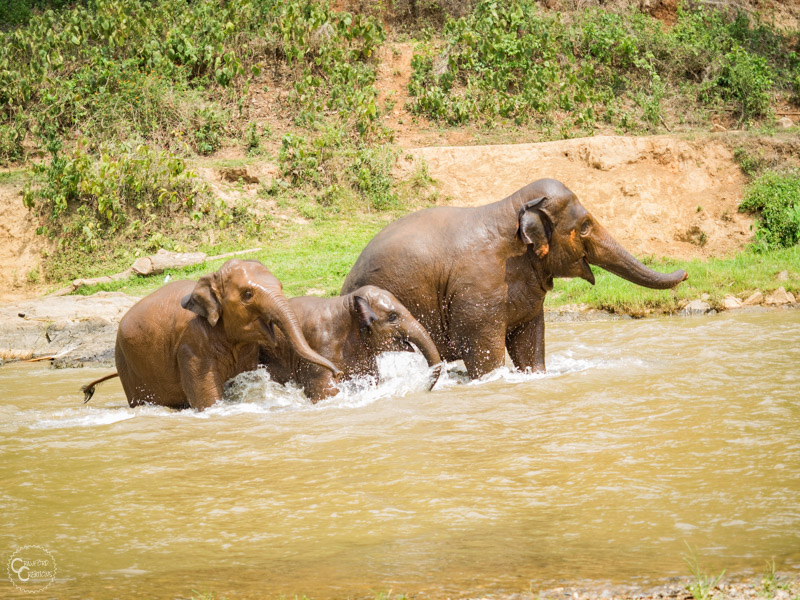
(386, 325)
(247, 301)
(566, 239)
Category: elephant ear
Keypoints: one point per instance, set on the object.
(534, 226)
(364, 313)
(204, 299)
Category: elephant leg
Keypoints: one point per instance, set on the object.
(201, 380)
(320, 387)
(526, 345)
(482, 350)
(479, 335)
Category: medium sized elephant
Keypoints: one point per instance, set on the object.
(351, 331)
(179, 345)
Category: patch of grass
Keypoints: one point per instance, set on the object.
(318, 255)
(702, 585)
(717, 277)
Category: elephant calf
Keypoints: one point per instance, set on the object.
(351, 331)
(179, 345)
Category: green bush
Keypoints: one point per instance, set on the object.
(116, 69)
(511, 60)
(775, 197)
(122, 194)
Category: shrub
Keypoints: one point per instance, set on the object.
(84, 200)
(511, 60)
(775, 197)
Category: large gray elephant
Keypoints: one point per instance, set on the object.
(351, 331)
(476, 278)
(179, 345)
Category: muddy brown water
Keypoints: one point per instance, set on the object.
(645, 436)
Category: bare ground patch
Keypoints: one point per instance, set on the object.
(659, 196)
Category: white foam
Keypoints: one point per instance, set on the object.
(87, 418)
(254, 392)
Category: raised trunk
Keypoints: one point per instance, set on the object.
(285, 318)
(604, 251)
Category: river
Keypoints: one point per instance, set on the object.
(646, 441)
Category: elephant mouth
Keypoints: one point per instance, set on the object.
(586, 270)
(268, 328)
(408, 346)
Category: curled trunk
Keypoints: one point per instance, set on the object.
(604, 251)
(423, 341)
(420, 337)
(286, 320)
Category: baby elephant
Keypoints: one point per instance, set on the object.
(351, 331)
(179, 345)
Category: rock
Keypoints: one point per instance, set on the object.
(696, 307)
(235, 174)
(72, 329)
(778, 297)
(704, 297)
(754, 299)
(785, 123)
(783, 276)
(717, 128)
(731, 302)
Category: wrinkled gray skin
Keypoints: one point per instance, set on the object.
(351, 331)
(179, 345)
(476, 278)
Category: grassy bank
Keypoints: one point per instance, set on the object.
(717, 277)
(318, 257)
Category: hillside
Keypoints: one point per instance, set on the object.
(279, 148)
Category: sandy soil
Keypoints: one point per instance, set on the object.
(659, 195)
(20, 247)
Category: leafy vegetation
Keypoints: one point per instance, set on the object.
(514, 61)
(775, 197)
(149, 70)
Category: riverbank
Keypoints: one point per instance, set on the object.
(74, 331)
(770, 586)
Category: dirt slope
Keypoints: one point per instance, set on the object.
(20, 247)
(658, 195)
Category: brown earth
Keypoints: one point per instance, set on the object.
(20, 247)
(659, 195)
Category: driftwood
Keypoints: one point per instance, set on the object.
(152, 265)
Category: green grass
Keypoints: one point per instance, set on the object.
(716, 277)
(313, 256)
(319, 255)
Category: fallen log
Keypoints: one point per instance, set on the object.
(152, 265)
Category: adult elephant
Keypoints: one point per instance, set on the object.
(351, 331)
(476, 278)
(179, 345)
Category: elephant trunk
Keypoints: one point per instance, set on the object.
(604, 251)
(420, 338)
(287, 321)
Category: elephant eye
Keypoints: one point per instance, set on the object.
(393, 317)
(586, 226)
(247, 295)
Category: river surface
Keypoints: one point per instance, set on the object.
(645, 438)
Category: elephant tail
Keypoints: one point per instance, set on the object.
(88, 389)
